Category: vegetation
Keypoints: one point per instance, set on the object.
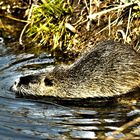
(47, 25)
(70, 26)
(136, 10)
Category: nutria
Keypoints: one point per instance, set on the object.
(107, 70)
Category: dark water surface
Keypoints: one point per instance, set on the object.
(30, 119)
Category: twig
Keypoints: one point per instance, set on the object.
(129, 17)
(93, 16)
(86, 5)
(123, 127)
(70, 27)
(90, 12)
(23, 30)
(21, 34)
(109, 26)
(20, 20)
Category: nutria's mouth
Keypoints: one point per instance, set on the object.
(21, 87)
(21, 91)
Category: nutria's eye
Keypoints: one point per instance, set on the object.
(48, 82)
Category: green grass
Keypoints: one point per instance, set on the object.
(47, 25)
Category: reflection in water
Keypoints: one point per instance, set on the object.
(30, 119)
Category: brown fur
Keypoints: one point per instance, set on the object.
(109, 69)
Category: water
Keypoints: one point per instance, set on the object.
(31, 119)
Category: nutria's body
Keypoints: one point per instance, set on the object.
(109, 69)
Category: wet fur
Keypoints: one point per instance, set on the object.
(109, 69)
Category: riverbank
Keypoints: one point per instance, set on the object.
(70, 31)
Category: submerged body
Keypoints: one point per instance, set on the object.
(109, 69)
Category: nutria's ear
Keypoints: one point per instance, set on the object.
(48, 82)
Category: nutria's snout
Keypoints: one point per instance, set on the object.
(20, 86)
(14, 86)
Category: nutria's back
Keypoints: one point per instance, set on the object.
(109, 69)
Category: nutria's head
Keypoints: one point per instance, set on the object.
(49, 84)
(34, 85)
(22, 85)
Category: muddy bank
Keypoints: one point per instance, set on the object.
(108, 20)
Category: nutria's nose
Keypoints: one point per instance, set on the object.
(14, 86)
(17, 81)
